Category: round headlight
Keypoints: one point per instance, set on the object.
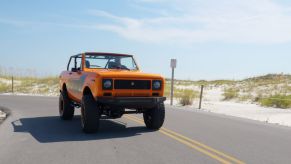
(157, 85)
(107, 84)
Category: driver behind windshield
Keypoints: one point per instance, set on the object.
(116, 64)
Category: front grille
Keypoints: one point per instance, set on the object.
(132, 94)
(123, 94)
(132, 84)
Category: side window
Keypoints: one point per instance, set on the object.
(71, 64)
(75, 62)
(79, 63)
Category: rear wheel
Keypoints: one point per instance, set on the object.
(66, 109)
(154, 117)
(90, 115)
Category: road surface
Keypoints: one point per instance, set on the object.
(33, 134)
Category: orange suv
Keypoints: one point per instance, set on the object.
(112, 85)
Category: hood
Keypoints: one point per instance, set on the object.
(125, 74)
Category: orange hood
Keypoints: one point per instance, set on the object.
(109, 73)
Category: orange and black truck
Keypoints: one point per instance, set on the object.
(110, 85)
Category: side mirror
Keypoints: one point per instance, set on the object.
(74, 70)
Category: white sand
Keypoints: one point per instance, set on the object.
(212, 102)
(8, 81)
(250, 111)
(5, 81)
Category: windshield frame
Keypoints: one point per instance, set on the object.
(108, 57)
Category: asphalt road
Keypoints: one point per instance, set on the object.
(33, 134)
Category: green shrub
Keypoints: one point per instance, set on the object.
(4, 88)
(230, 93)
(277, 101)
(187, 97)
(245, 97)
(31, 85)
(258, 97)
(167, 91)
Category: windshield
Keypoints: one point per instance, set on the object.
(110, 62)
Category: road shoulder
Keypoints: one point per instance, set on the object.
(247, 111)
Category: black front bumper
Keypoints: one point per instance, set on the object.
(131, 102)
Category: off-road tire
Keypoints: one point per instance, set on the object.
(66, 109)
(154, 117)
(90, 115)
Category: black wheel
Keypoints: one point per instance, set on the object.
(90, 115)
(154, 117)
(66, 109)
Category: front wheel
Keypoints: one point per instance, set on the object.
(154, 117)
(89, 114)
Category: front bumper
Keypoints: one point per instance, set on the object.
(131, 102)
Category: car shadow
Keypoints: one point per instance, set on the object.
(53, 129)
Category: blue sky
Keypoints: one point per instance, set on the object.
(226, 39)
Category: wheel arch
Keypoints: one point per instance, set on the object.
(87, 91)
(64, 88)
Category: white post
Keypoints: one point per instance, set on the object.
(173, 66)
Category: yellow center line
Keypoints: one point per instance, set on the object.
(205, 146)
(193, 144)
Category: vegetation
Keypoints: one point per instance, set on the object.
(187, 97)
(184, 96)
(230, 94)
(277, 101)
(4, 88)
(202, 82)
(30, 85)
(267, 90)
(271, 90)
(246, 97)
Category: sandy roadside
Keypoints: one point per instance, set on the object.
(242, 110)
(212, 102)
(251, 111)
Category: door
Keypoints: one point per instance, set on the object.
(75, 83)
